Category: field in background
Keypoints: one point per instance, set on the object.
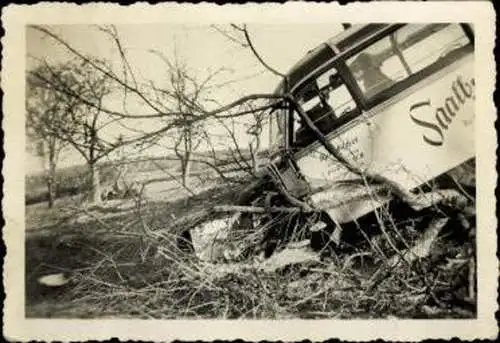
(159, 172)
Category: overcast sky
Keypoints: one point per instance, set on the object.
(201, 48)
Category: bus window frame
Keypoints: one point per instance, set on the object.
(352, 47)
(412, 79)
(469, 32)
(343, 71)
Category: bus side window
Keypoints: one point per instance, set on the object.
(423, 45)
(405, 52)
(377, 67)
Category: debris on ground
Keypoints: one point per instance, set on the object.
(289, 256)
(394, 263)
(53, 280)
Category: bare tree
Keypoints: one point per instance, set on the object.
(46, 116)
(179, 105)
(254, 146)
(184, 94)
(81, 93)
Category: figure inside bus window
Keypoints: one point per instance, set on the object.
(368, 71)
(322, 113)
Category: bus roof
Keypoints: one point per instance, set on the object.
(324, 52)
(353, 35)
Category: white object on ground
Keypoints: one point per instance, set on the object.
(318, 226)
(208, 238)
(53, 280)
(288, 257)
(299, 245)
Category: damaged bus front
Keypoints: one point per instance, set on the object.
(391, 101)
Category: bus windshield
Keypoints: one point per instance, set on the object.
(405, 52)
(325, 99)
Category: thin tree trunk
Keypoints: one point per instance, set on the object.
(254, 155)
(51, 177)
(186, 167)
(95, 192)
(186, 160)
(50, 188)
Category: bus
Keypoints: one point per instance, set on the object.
(395, 100)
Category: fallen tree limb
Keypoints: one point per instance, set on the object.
(421, 249)
(255, 209)
(449, 197)
(417, 202)
(397, 189)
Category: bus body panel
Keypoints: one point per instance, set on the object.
(411, 141)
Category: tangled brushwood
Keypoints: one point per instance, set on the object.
(395, 262)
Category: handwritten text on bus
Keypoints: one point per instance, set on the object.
(462, 91)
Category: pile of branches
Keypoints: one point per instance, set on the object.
(145, 274)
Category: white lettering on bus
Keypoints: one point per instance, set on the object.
(461, 92)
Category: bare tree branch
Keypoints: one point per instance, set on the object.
(228, 36)
(97, 67)
(261, 60)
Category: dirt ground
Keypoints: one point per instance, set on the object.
(120, 261)
(74, 238)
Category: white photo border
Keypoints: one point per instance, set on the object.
(17, 327)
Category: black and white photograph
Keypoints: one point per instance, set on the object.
(244, 169)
